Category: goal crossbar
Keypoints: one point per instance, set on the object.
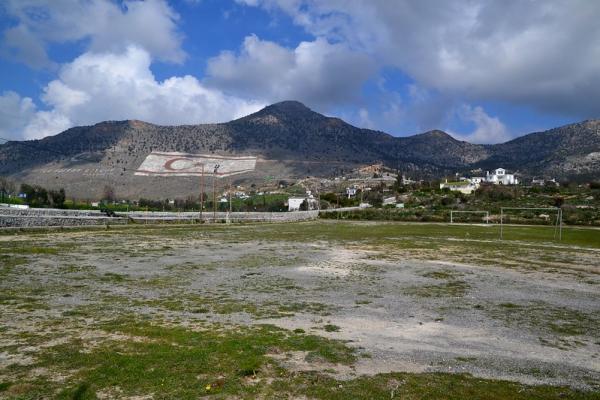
(557, 225)
(487, 214)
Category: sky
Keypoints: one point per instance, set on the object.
(485, 71)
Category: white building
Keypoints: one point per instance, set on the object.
(544, 182)
(294, 203)
(500, 177)
(351, 191)
(389, 201)
(466, 186)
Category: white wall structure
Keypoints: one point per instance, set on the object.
(466, 187)
(351, 191)
(295, 202)
(500, 177)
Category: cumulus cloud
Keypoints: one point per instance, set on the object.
(541, 54)
(318, 73)
(15, 112)
(487, 130)
(104, 25)
(108, 86)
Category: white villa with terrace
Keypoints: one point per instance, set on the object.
(469, 185)
(500, 177)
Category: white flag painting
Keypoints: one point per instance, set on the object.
(185, 164)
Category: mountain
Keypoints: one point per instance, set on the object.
(291, 142)
(568, 152)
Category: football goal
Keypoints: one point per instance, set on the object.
(453, 214)
(546, 214)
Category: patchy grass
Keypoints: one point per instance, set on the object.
(447, 289)
(548, 319)
(154, 336)
(426, 386)
(331, 328)
(172, 362)
(443, 274)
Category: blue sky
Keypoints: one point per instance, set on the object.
(484, 71)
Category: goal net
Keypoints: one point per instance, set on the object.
(474, 216)
(543, 223)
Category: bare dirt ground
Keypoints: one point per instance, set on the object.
(526, 312)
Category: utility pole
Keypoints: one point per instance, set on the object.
(215, 192)
(230, 208)
(201, 191)
(501, 220)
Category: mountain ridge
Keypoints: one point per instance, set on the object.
(305, 143)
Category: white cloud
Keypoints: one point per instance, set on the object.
(364, 120)
(107, 86)
(105, 25)
(318, 73)
(45, 123)
(487, 129)
(541, 54)
(15, 112)
(23, 46)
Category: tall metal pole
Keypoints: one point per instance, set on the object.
(201, 192)
(501, 218)
(319, 200)
(215, 192)
(214, 199)
(560, 227)
(230, 208)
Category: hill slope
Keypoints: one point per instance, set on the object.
(291, 141)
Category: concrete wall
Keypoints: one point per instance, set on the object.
(41, 217)
(208, 216)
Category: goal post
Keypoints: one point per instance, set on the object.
(486, 214)
(557, 224)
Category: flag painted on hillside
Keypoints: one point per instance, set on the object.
(185, 164)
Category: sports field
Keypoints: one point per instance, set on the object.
(311, 310)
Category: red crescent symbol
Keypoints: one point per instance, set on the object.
(173, 160)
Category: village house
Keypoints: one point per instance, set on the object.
(295, 203)
(351, 191)
(464, 186)
(544, 182)
(500, 177)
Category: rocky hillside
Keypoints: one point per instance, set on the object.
(569, 152)
(291, 141)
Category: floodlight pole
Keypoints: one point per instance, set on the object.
(215, 192)
(201, 191)
(560, 225)
(501, 219)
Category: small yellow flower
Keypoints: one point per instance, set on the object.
(208, 387)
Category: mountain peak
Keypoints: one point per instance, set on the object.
(289, 106)
(436, 134)
(284, 111)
